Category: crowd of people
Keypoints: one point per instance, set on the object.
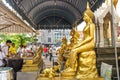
(8, 49)
(50, 51)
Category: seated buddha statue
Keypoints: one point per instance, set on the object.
(76, 41)
(34, 63)
(82, 60)
(61, 51)
(49, 73)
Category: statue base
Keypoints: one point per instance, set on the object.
(68, 74)
(67, 78)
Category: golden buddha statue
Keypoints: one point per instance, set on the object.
(82, 60)
(49, 73)
(61, 51)
(72, 33)
(70, 45)
(34, 63)
(76, 40)
(74, 36)
(64, 42)
(60, 57)
(38, 55)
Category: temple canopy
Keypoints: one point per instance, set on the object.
(52, 14)
(9, 22)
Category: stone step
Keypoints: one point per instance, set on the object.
(110, 61)
(105, 55)
(106, 50)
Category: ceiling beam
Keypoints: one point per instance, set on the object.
(72, 6)
(6, 25)
(36, 5)
(60, 4)
(66, 15)
(9, 19)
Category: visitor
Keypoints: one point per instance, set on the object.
(24, 50)
(45, 50)
(5, 48)
(50, 53)
(12, 50)
(2, 56)
(19, 50)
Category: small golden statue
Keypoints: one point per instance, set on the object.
(82, 60)
(62, 50)
(69, 46)
(72, 33)
(38, 55)
(34, 63)
(49, 73)
(74, 40)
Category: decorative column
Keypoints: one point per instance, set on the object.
(117, 43)
(101, 35)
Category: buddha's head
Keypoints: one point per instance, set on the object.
(88, 14)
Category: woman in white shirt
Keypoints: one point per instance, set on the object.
(19, 50)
